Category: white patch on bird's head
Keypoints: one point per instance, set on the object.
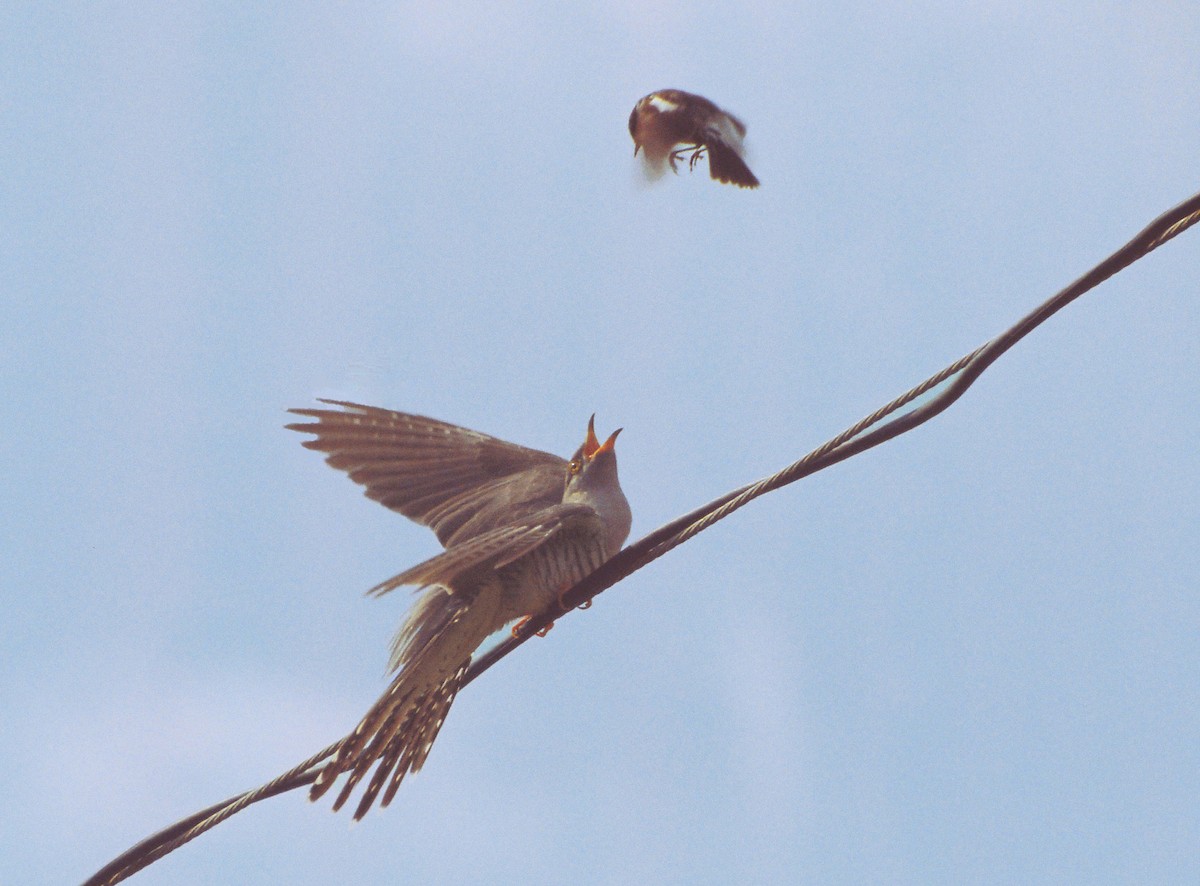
(662, 104)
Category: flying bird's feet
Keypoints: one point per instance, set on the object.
(677, 156)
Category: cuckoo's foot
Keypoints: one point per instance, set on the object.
(518, 630)
(564, 606)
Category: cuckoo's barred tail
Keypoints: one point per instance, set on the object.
(725, 165)
(397, 733)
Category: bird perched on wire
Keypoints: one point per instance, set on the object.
(663, 121)
(519, 528)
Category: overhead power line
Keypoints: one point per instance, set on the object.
(864, 435)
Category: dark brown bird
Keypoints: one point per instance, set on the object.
(665, 120)
(519, 528)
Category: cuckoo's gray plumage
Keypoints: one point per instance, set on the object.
(519, 528)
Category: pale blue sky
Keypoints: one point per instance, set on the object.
(969, 656)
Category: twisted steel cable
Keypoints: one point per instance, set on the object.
(960, 375)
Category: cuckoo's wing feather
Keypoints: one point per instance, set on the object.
(454, 480)
(494, 549)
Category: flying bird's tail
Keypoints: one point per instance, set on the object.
(726, 165)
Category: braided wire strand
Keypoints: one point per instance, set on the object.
(961, 374)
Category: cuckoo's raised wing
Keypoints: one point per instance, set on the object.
(458, 482)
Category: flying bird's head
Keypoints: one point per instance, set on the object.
(656, 126)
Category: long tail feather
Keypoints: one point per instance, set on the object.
(395, 738)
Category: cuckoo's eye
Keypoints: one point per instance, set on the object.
(574, 466)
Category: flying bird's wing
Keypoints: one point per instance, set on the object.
(725, 127)
(458, 482)
(723, 134)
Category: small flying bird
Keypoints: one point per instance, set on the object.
(666, 119)
(519, 527)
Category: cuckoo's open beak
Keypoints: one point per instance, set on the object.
(592, 446)
(590, 443)
(608, 445)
